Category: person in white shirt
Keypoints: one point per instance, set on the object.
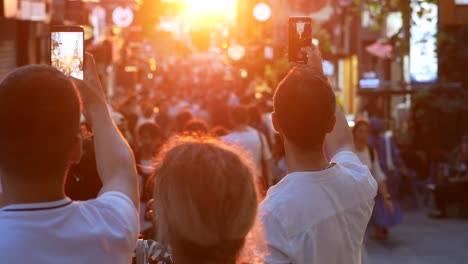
(386, 211)
(318, 213)
(40, 139)
(250, 140)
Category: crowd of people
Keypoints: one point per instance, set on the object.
(174, 174)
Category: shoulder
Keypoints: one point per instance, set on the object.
(286, 206)
(112, 199)
(346, 157)
(114, 203)
(351, 167)
(115, 214)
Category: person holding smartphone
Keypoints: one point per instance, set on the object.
(40, 139)
(319, 211)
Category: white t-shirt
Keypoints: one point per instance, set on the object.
(102, 230)
(319, 217)
(374, 167)
(249, 141)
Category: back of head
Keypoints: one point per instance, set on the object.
(239, 115)
(152, 130)
(182, 119)
(255, 116)
(196, 126)
(304, 106)
(39, 116)
(205, 200)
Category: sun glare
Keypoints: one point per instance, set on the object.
(206, 9)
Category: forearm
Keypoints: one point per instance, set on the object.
(114, 158)
(340, 138)
(383, 190)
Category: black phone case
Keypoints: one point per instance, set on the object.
(299, 36)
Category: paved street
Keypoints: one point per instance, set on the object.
(422, 240)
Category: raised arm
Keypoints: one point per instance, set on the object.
(340, 138)
(114, 158)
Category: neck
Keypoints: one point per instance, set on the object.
(240, 128)
(304, 160)
(32, 191)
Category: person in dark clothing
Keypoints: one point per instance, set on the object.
(454, 182)
(83, 182)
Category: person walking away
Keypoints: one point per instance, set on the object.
(387, 211)
(319, 212)
(454, 182)
(389, 157)
(40, 139)
(252, 141)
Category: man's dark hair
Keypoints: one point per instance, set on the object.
(196, 126)
(39, 119)
(153, 130)
(239, 115)
(182, 119)
(304, 105)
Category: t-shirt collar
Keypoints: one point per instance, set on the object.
(37, 206)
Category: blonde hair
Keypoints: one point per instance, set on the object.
(205, 200)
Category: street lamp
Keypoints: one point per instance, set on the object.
(262, 12)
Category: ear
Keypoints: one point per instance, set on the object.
(276, 125)
(77, 150)
(331, 124)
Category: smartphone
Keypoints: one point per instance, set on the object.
(67, 50)
(299, 36)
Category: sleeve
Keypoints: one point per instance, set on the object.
(351, 163)
(276, 241)
(378, 173)
(119, 218)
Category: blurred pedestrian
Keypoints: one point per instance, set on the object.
(196, 126)
(454, 183)
(387, 212)
(389, 158)
(252, 141)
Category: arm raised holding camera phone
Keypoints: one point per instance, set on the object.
(340, 138)
(114, 158)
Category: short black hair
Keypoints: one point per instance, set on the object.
(39, 118)
(182, 119)
(196, 126)
(152, 129)
(304, 106)
(239, 115)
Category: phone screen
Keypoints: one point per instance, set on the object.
(300, 36)
(67, 52)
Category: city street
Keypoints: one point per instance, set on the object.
(422, 240)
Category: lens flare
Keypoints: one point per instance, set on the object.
(206, 9)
